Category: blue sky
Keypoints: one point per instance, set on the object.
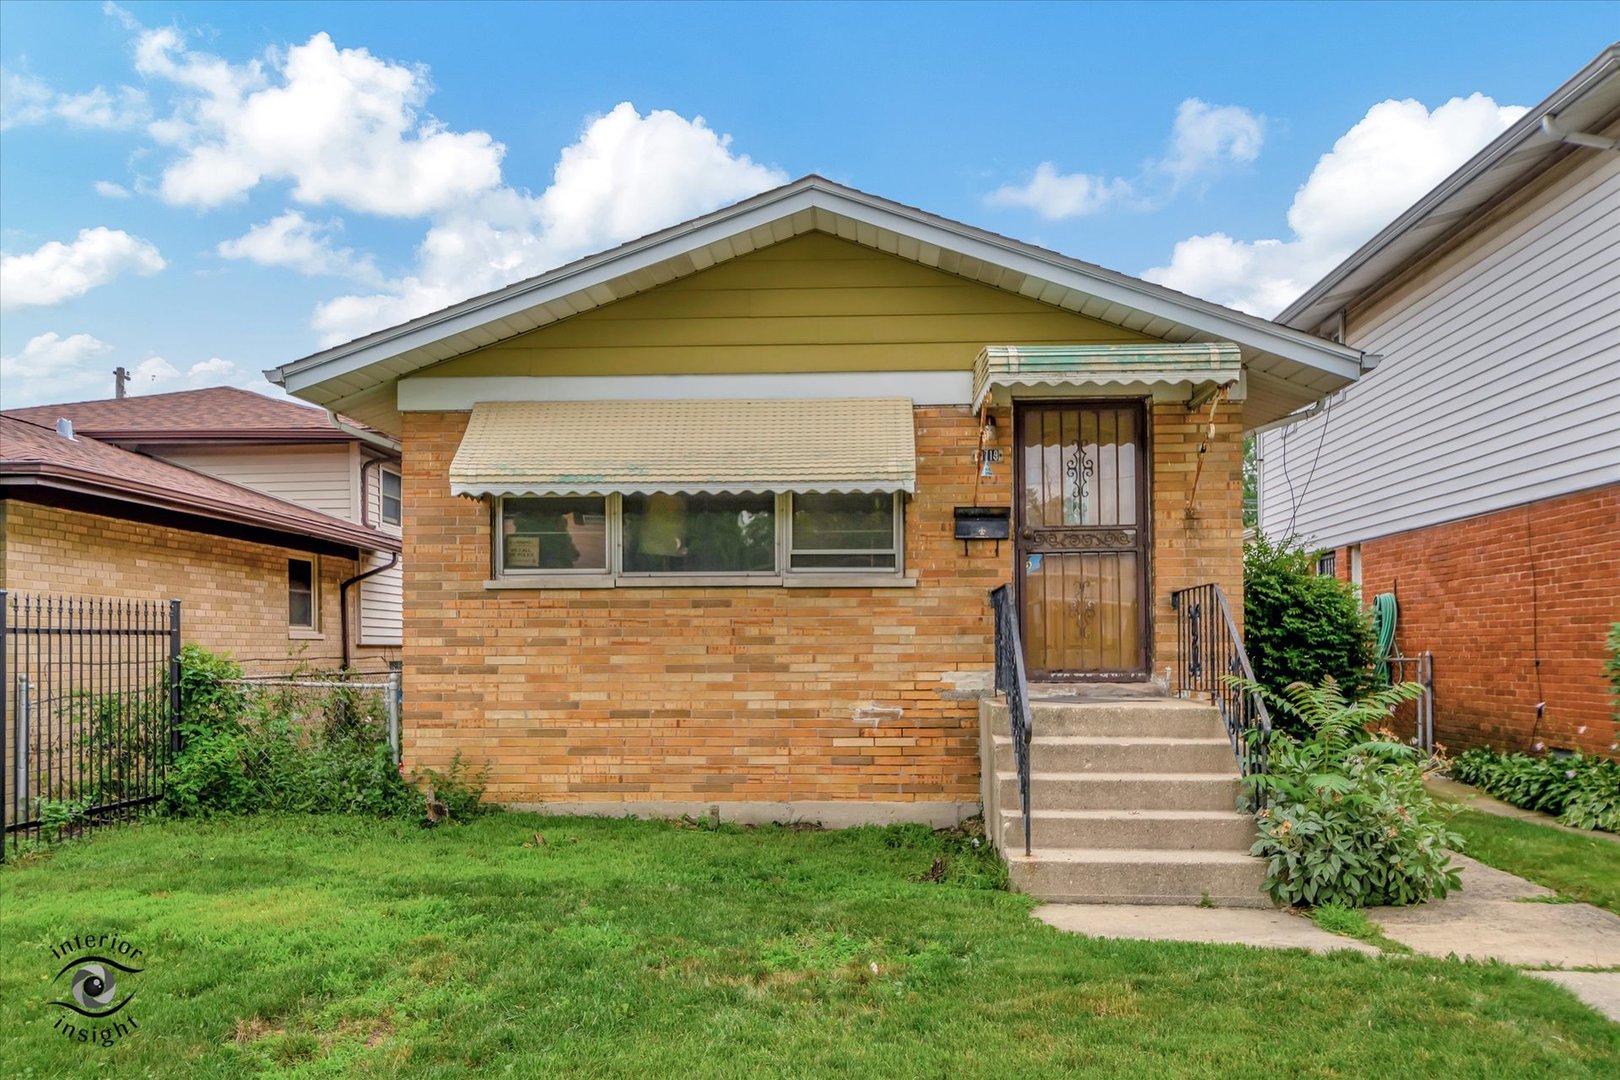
(198, 191)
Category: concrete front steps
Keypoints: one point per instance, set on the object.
(1135, 802)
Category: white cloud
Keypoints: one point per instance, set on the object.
(293, 241)
(25, 100)
(1204, 139)
(109, 190)
(1395, 154)
(1056, 196)
(58, 271)
(341, 125)
(626, 176)
(1207, 137)
(52, 368)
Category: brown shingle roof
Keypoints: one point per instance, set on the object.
(34, 454)
(217, 412)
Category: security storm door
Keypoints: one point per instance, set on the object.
(1082, 551)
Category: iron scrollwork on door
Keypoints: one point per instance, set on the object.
(1080, 539)
(1080, 469)
(1082, 609)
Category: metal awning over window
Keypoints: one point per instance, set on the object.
(645, 447)
(1003, 372)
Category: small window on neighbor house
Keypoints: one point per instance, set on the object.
(556, 534)
(845, 532)
(301, 608)
(1327, 564)
(390, 497)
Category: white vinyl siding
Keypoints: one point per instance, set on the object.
(1499, 382)
(382, 605)
(319, 477)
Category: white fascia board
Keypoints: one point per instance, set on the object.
(459, 393)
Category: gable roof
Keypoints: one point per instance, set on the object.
(1589, 101)
(122, 483)
(213, 414)
(1287, 369)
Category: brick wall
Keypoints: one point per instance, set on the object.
(1479, 593)
(233, 593)
(748, 695)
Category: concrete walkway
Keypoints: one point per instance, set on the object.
(1472, 798)
(1496, 916)
(1267, 929)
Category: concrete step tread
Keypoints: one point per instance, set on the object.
(1115, 740)
(1151, 856)
(1115, 815)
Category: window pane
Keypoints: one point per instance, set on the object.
(300, 593)
(699, 534)
(300, 574)
(843, 522)
(854, 531)
(390, 497)
(300, 609)
(568, 533)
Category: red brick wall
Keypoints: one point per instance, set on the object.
(749, 694)
(1479, 593)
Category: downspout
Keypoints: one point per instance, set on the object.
(365, 492)
(343, 600)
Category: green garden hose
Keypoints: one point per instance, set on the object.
(1384, 612)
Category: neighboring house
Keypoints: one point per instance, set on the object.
(285, 449)
(257, 576)
(1476, 473)
(682, 513)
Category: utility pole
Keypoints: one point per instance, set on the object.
(120, 377)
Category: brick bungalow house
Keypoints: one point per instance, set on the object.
(682, 525)
(1476, 473)
(258, 577)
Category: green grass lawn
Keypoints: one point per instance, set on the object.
(348, 947)
(1580, 867)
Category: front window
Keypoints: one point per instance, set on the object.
(554, 534)
(699, 534)
(1327, 564)
(764, 536)
(845, 532)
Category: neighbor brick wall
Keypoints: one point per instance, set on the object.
(1479, 592)
(233, 593)
(758, 694)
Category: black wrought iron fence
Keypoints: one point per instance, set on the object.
(1209, 654)
(1010, 681)
(89, 690)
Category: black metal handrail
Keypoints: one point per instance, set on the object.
(1010, 681)
(1209, 650)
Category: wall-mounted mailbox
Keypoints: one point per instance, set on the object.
(983, 523)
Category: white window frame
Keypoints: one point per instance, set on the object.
(382, 496)
(313, 629)
(498, 526)
(615, 575)
(898, 550)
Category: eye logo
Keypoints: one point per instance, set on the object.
(93, 990)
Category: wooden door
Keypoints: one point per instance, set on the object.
(1081, 541)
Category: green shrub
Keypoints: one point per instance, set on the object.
(1582, 791)
(1613, 668)
(1300, 626)
(279, 751)
(1344, 816)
